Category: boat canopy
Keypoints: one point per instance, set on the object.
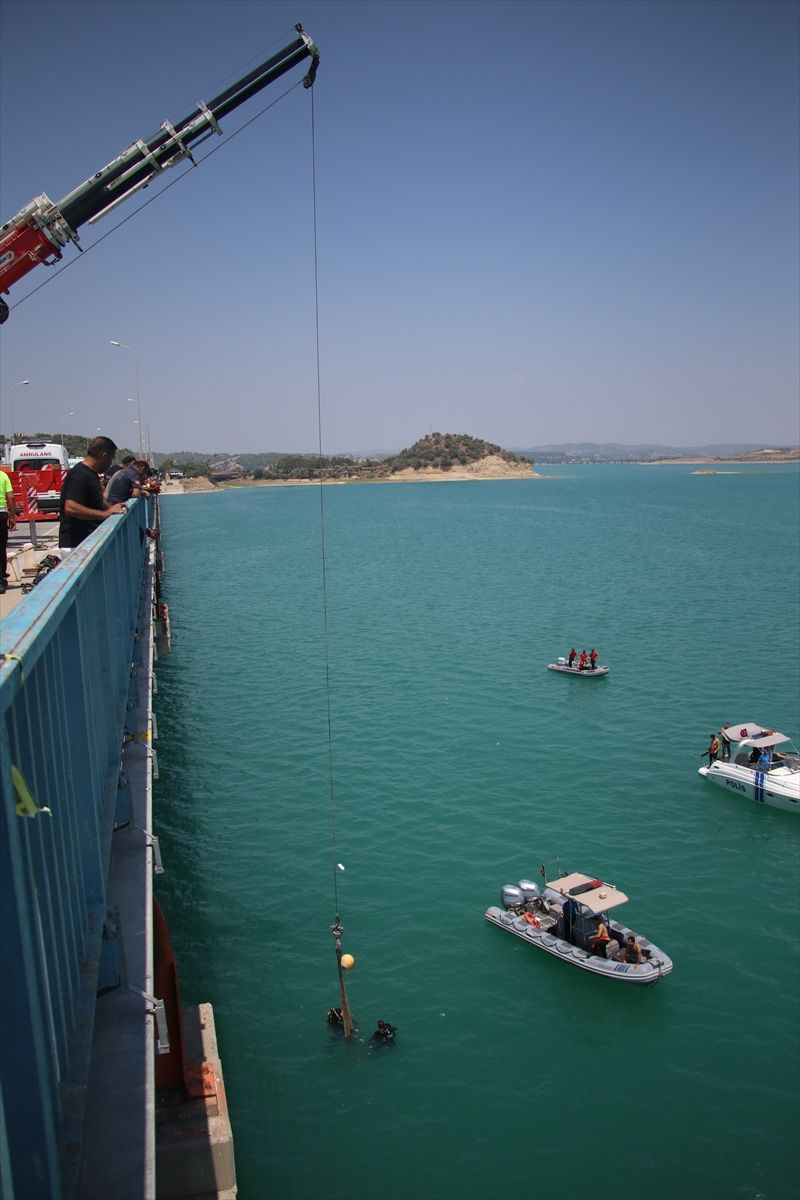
(769, 739)
(599, 897)
(737, 731)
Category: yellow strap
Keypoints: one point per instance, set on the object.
(26, 805)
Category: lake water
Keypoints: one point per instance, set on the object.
(459, 763)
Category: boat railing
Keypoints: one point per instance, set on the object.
(70, 651)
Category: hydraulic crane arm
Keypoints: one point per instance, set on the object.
(39, 230)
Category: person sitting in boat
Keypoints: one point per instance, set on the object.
(754, 755)
(584, 661)
(600, 938)
(631, 952)
(385, 1034)
(593, 658)
(573, 654)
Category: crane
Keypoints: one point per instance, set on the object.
(40, 230)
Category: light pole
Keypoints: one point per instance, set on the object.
(122, 346)
(63, 418)
(19, 383)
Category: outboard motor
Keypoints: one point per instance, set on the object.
(529, 889)
(511, 896)
(562, 662)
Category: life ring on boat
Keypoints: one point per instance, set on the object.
(532, 919)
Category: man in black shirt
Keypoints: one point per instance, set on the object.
(82, 508)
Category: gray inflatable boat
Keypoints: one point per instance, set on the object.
(564, 919)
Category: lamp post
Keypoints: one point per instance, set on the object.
(122, 346)
(63, 418)
(19, 383)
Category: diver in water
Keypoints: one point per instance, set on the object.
(385, 1034)
(335, 1018)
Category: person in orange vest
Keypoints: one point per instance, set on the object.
(583, 662)
(593, 658)
(573, 654)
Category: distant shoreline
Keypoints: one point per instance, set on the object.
(177, 487)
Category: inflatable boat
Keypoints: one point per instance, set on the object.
(756, 768)
(589, 673)
(563, 919)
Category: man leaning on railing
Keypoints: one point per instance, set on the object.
(83, 507)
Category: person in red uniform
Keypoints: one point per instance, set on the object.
(582, 665)
(593, 658)
(573, 654)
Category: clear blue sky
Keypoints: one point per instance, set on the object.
(537, 222)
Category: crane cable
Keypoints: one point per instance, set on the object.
(178, 179)
(325, 628)
(336, 929)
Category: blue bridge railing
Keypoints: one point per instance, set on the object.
(69, 651)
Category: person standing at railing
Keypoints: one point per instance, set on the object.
(8, 519)
(83, 508)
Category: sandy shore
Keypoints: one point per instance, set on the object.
(489, 468)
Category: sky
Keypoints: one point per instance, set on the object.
(533, 223)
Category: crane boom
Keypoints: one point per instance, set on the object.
(41, 229)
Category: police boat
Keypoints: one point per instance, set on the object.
(565, 669)
(756, 767)
(564, 919)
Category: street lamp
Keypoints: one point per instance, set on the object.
(63, 418)
(19, 383)
(122, 346)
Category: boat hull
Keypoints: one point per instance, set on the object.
(775, 789)
(576, 671)
(644, 975)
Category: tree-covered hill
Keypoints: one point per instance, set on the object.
(444, 451)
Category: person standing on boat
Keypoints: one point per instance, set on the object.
(8, 519)
(593, 658)
(584, 661)
(570, 911)
(726, 743)
(713, 749)
(573, 654)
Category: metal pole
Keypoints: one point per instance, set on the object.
(347, 1020)
(123, 346)
(20, 383)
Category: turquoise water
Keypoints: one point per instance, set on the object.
(460, 764)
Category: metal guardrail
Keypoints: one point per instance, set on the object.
(69, 655)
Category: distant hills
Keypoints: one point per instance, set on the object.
(436, 451)
(579, 452)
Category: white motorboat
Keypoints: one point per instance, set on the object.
(587, 673)
(562, 919)
(756, 768)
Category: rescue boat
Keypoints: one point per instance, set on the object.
(756, 768)
(562, 919)
(588, 672)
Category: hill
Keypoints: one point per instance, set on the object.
(445, 451)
